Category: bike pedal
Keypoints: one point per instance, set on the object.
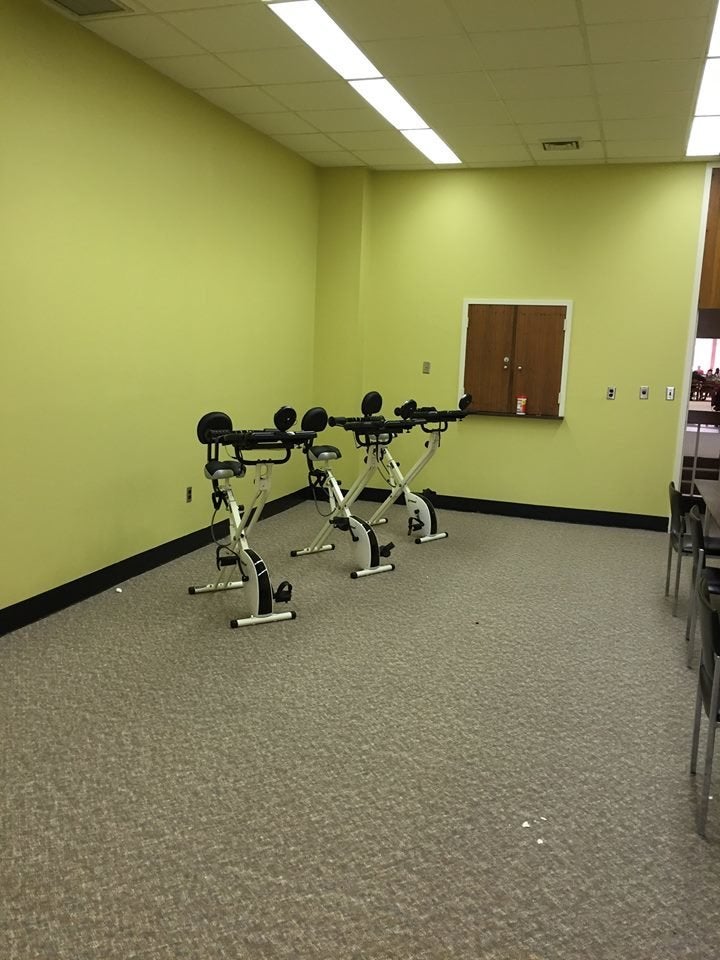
(283, 594)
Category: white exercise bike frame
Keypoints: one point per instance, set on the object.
(255, 574)
(365, 550)
(422, 519)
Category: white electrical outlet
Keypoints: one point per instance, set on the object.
(644, 393)
(669, 393)
(611, 393)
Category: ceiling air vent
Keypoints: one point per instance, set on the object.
(91, 8)
(560, 144)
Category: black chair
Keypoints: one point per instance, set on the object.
(698, 386)
(679, 541)
(708, 694)
(701, 549)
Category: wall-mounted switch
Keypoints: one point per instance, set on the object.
(188, 494)
(611, 393)
(644, 393)
(426, 366)
(669, 393)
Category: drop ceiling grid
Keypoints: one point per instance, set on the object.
(493, 75)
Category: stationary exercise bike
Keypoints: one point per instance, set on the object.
(422, 519)
(234, 557)
(371, 433)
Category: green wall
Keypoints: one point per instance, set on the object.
(619, 241)
(157, 260)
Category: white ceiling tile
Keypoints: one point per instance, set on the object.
(169, 6)
(558, 110)
(306, 141)
(274, 123)
(392, 158)
(651, 128)
(519, 49)
(648, 104)
(614, 11)
(342, 121)
(334, 158)
(477, 165)
(497, 154)
(627, 160)
(560, 162)
(198, 72)
(420, 55)
(287, 65)
(371, 140)
(480, 15)
(590, 151)
(335, 95)
(649, 149)
(543, 83)
(239, 100)
(660, 77)
(384, 19)
(479, 72)
(570, 130)
(249, 26)
(467, 138)
(424, 166)
(445, 87)
(143, 36)
(464, 112)
(650, 40)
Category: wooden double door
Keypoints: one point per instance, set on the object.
(515, 350)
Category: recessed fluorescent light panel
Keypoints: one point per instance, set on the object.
(387, 101)
(705, 132)
(708, 102)
(704, 137)
(429, 143)
(310, 22)
(714, 50)
(320, 32)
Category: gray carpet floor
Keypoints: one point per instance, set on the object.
(481, 754)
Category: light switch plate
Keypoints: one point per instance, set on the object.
(644, 393)
(669, 393)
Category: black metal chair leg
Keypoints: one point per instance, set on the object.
(669, 565)
(677, 583)
(696, 731)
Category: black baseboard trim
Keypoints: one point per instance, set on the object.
(36, 608)
(531, 511)
(379, 494)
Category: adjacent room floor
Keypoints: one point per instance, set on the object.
(481, 754)
(703, 439)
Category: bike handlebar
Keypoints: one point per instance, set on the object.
(347, 422)
(261, 439)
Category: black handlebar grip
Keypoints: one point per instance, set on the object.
(406, 410)
(344, 421)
